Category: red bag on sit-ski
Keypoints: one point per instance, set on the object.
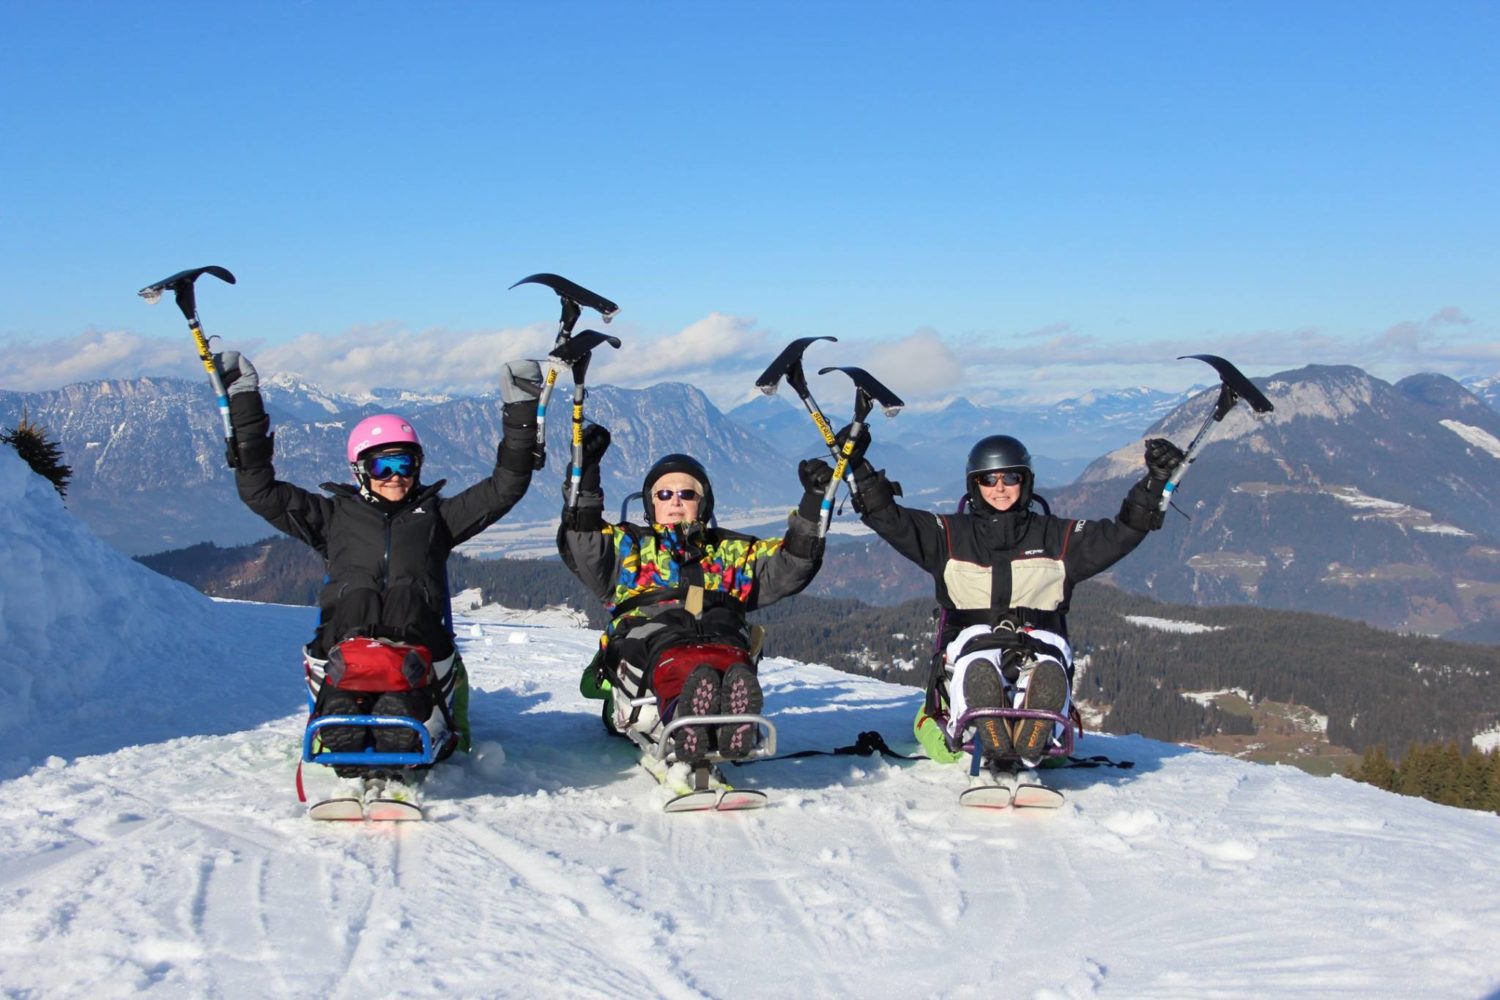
(379, 665)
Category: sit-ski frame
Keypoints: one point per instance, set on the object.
(657, 756)
(1062, 747)
(369, 757)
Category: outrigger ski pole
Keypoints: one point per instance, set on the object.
(788, 365)
(181, 285)
(574, 297)
(576, 354)
(867, 391)
(1233, 386)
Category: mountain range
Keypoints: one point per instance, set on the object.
(1356, 497)
(149, 475)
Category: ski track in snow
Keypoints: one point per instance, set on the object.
(186, 867)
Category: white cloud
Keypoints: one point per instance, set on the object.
(722, 354)
(708, 345)
(95, 354)
(437, 360)
(916, 365)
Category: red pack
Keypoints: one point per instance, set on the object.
(674, 665)
(379, 665)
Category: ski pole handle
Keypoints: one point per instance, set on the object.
(216, 380)
(575, 470)
(839, 472)
(539, 452)
(830, 440)
(1182, 467)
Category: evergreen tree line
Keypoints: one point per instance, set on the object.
(1376, 688)
(1438, 772)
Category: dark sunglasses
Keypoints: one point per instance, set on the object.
(1009, 478)
(383, 467)
(687, 495)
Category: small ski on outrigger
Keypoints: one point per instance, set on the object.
(1002, 786)
(699, 786)
(1010, 782)
(380, 797)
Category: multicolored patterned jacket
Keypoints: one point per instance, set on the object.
(624, 564)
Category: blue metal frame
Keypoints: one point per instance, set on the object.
(371, 758)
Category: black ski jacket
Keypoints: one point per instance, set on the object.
(1017, 566)
(397, 551)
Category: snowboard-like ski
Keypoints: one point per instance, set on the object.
(380, 800)
(699, 788)
(1022, 789)
(344, 807)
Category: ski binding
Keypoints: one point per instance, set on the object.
(1004, 789)
(699, 786)
(378, 802)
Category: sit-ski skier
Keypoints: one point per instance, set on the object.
(1004, 575)
(677, 590)
(385, 542)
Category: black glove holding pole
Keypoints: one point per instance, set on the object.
(815, 475)
(1142, 507)
(595, 443)
(253, 440)
(1162, 459)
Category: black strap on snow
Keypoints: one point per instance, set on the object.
(870, 743)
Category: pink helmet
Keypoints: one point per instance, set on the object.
(378, 431)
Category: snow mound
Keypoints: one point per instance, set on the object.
(96, 650)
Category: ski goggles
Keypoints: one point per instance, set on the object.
(400, 463)
(1009, 477)
(686, 496)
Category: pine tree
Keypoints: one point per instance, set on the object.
(1376, 769)
(44, 457)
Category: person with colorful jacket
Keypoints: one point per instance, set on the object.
(1004, 575)
(677, 589)
(385, 542)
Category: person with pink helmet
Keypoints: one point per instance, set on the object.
(385, 541)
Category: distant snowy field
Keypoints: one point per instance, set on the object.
(152, 844)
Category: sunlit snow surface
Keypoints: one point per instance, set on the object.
(1171, 625)
(1478, 437)
(184, 867)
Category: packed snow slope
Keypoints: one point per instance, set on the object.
(135, 862)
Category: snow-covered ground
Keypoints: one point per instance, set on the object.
(139, 861)
(1171, 624)
(1478, 437)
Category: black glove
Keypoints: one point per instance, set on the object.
(872, 491)
(1162, 459)
(595, 443)
(815, 475)
(861, 443)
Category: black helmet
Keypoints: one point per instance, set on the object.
(996, 453)
(678, 463)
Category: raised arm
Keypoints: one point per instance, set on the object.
(487, 501)
(288, 508)
(584, 541)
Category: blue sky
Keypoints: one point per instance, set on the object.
(1012, 201)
